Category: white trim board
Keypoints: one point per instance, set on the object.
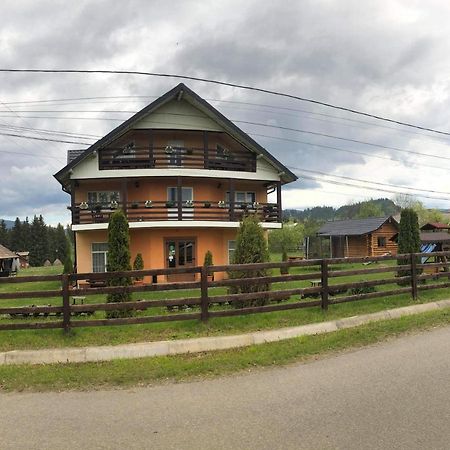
(174, 224)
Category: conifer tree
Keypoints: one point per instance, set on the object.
(39, 243)
(251, 247)
(4, 234)
(118, 260)
(408, 237)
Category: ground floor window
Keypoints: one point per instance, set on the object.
(99, 256)
(231, 250)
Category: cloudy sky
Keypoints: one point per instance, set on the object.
(384, 57)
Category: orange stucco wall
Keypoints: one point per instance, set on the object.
(156, 189)
(151, 243)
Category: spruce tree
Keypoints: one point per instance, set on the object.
(408, 237)
(118, 260)
(16, 236)
(251, 247)
(39, 242)
(4, 234)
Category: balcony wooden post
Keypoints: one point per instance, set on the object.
(150, 149)
(72, 200)
(124, 195)
(279, 210)
(205, 150)
(232, 190)
(180, 197)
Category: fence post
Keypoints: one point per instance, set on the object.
(413, 259)
(324, 284)
(66, 302)
(204, 301)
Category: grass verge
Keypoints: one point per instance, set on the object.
(147, 371)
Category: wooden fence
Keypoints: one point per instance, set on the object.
(211, 298)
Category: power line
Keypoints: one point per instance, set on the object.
(297, 130)
(342, 183)
(312, 144)
(371, 182)
(43, 139)
(224, 83)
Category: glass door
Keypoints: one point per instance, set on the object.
(180, 253)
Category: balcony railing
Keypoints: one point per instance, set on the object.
(176, 157)
(143, 211)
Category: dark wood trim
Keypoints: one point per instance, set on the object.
(150, 147)
(232, 194)
(124, 194)
(205, 149)
(180, 197)
(280, 211)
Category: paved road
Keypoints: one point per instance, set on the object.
(391, 396)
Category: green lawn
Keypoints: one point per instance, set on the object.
(145, 371)
(107, 335)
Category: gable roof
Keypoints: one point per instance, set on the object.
(180, 90)
(435, 226)
(354, 227)
(6, 253)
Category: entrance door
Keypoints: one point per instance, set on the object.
(180, 252)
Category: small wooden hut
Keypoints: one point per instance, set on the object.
(361, 237)
(9, 262)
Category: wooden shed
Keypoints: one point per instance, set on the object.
(361, 237)
(9, 262)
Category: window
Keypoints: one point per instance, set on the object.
(231, 250)
(175, 150)
(103, 198)
(242, 197)
(381, 242)
(99, 257)
(187, 193)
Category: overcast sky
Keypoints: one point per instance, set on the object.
(384, 57)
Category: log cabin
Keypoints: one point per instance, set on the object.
(184, 175)
(361, 237)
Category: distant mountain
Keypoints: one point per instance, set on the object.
(9, 223)
(382, 206)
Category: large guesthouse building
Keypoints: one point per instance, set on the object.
(183, 174)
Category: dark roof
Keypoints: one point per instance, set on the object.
(353, 227)
(435, 226)
(168, 96)
(438, 237)
(6, 254)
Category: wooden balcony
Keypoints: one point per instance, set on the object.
(176, 157)
(148, 211)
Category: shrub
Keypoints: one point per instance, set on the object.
(362, 290)
(138, 264)
(118, 260)
(68, 265)
(251, 247)
(208, 258)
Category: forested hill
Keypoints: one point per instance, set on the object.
(371, 208)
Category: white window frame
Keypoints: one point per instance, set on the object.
(247, 196)
(105, 256)
(188, 213)
(231, 248)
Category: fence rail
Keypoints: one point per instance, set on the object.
(205, 295)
